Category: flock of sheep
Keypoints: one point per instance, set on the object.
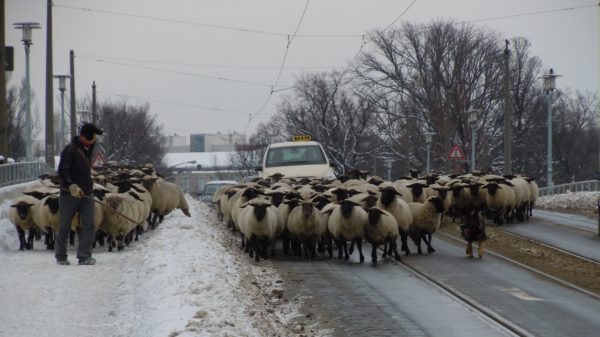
(310, 215)
(124, 198)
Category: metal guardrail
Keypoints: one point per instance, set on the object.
(22, 172)
(580, 186)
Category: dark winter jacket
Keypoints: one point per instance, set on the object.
(75, 167)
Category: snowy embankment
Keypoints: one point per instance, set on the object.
(576, 201)
(178, 280)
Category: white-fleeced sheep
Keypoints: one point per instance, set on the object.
(426, 220)
(166, 197)
(258, 222)
(381, 228)
(306, 225)
(347, 223)
(390, 202)
(21, 215)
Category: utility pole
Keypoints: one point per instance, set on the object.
(3, 104)
(49, 90)
(73, 109)
(507, 113)
(94, 103)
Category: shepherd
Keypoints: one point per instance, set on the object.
(75, 172)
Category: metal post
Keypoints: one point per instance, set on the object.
(388, 165)
(549, 164)
(507, 114)
(61, 136)
(473, 146)
(3, 105)
(94, 102)
(73, 109)
(428, 157)
(49, 89)
(598, 215)
(28, 125)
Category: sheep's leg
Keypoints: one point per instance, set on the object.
(243, 243)
(255, 247)
(30, 238)
(161, 218)
(386, 247)
(418, 244)
(38, 234)
(374, 252)
(481, 248)
(427, 239)
(351, 249)
(285, 242)
(273, 245)
(321, 245)
(470, 248)
(404, 240)
(340, 247)
(312, 245)
(346, 255)
(394, 247)
(21, 234)
(46, 239)
(120, 242)
(110, 243)
(330, 247)
(360, 253)
(51, 239)
(100, 238)
(264, 247)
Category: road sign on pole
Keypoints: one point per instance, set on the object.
(456, 153)
(99, 160)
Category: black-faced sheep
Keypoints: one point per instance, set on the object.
(381, 228)
(426, 220)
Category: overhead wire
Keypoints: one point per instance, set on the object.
(287, 48)
(173, 102)
(531, 13)
(100, 60)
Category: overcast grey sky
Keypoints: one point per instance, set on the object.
(186, 56)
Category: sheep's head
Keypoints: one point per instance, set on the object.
(259, 208)
(442, 192)
(388, 195)
(250, 193)
(375, 180)
(307, 209)
(230, 193)
(344, 178)
(347, 206)
(456, 188)
(417, 189)
(340, 193)
(370, 200)
(276, 197)
(438, 203)
(52, 203)
(114, 201)
(474, 188)
(36, 194)
(292, 203)
(353, 191)
(492, 188)
(149, 182)
(320, 201)
(23, 208)
(374, 215)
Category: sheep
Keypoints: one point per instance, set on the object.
(365, 200)
(226, 201)
(534, 193)
(390, 202)
(166, 197)
(257, 222)
(522, 196)
(115, 224)
(21, 215)
(416, 190)
(306, 224)
(381, 228)
(347, 223)
(46, 217)
(436, 190)
(472, 229)
(426, 220)
(217, 200)
(499, 200)
(244, 196)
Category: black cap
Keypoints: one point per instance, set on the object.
(88, 130)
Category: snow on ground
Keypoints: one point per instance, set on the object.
(576, 201)
(178, 280)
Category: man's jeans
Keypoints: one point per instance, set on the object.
(68, 207)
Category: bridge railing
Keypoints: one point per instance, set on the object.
(580, 186)
(22, 172)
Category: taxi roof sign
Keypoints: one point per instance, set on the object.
(302, 138)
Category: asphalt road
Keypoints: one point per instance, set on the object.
(350, 299)
(566, 231)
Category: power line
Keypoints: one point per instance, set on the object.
(176, 72)
(287, 48)
(174, 103)
(201, 65)
(400, 16)
(532, 13)
(207, 25)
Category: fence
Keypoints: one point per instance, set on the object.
(580, 186)
(16, 173)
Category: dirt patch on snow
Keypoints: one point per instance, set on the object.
(577, 271)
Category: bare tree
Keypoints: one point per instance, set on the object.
(133, 135)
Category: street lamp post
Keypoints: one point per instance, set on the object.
(27, 42)
(388, 165)
(62, 87)
(428, 140)
(473, 116)
(549, 86)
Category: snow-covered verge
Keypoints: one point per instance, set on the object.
(576, 201)
(178, 280)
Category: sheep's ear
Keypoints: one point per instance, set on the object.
(15, 205)
(485, 186)
(353, 203)
(375, 210)
(134, 195)
(507, 183)
(368, 198)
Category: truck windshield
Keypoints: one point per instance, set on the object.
(295, 155)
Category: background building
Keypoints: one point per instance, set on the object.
(215, 142)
